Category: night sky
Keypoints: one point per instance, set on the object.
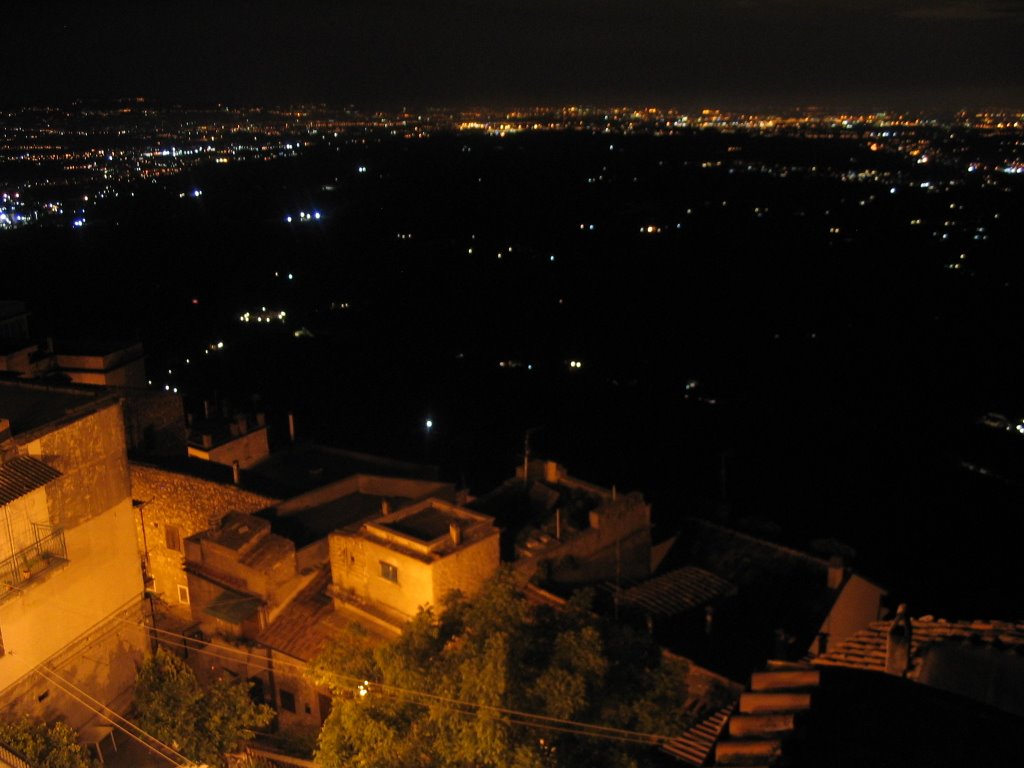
(731, 54)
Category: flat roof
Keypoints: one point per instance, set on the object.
(29, 406)
(426, 525)
(238, 530)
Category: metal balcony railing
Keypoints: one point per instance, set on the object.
(48, 551)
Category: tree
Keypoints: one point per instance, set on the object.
(452, 690)
(201, 724)
(53, 746)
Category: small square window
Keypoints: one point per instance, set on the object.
(173, 537)
(388, 571)
(183, 594)
(287, 701)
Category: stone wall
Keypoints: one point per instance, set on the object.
(467, 568)
(90, 454)
(173, 507)
(154, 422)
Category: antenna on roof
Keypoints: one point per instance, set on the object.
(526, 453)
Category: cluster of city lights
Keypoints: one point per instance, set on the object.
(263, 315)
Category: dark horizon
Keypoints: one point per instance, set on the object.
(741, 55)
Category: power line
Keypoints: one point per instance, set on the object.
(515, 716)
(460, 706)
(69, 689)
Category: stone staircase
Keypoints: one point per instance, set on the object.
(694, 746)
(769, 712)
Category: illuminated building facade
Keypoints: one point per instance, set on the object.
(70, 576)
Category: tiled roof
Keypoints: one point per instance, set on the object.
(678, 591)
(309, 621)
(866, 649)
(22, 475)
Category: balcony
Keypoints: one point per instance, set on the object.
(48, 552)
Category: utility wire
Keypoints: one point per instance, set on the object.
(414, 696)
(69, 689)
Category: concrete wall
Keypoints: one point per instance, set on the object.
(102, 661)
(65, 612)
(50, 612)
(187, 504)
(856, 606)
(248, 450)
(356, 567)
(132, 374)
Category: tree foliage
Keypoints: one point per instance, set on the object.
(45, 746)
(482, 661)
(202, 724)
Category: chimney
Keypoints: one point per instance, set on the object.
(5, 430)
(207, 441)
(897, 644)
(455, 532)
(385, 507)
(236, 473)
(836, 572)
(291, 426)
(243, 423)
(261, 419)
(206, 409)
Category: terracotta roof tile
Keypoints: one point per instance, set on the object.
(22, 475)
(866, 648)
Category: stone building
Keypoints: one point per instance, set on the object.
(567, 532)
(171, 507)
(70, 583)
(397, 562)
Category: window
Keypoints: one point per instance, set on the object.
(173, 537)
(287, 701)
(388, 571)
(183, 594)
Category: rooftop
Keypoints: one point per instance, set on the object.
(678, 591)
(303, 467)
(348, 502)
(22, 475)
(310, 621)
(238, 531)
(866, 649)
(428, 529)
(31, 406)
